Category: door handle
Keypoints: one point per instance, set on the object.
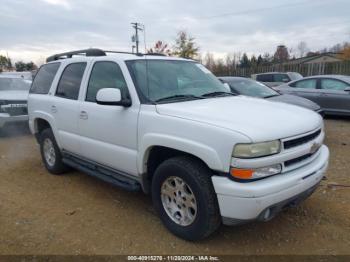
(53, 109)
(84, 115)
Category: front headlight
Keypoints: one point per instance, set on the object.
(257, 149)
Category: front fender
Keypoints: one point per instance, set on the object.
(202, 151)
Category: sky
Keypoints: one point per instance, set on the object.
(31, 30)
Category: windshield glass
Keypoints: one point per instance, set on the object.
(178, 80)
(250, 87)
(295, 76)
(14, 84)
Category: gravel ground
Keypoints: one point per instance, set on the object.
(77, 214)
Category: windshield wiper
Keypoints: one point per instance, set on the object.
(176, 97)
(218, 93)
(270, 96)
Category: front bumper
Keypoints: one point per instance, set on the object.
(260, 200)
(7, 119)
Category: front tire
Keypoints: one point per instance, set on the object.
(50, 153)
(184, 197)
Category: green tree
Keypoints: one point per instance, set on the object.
(244, 62)
(21, 66)
(5, 63)
(185, 46)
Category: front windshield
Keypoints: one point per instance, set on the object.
(253, 88)
(14, 84)
(161, 79)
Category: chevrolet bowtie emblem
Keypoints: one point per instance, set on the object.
(314, 147)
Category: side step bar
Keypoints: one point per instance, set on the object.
(102, 173)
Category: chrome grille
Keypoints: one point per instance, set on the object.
(301, 140)
(15, 108)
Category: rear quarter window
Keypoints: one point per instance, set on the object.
(264, 78)
(44, 78)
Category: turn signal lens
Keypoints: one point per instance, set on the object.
(242, 173)
(255, 173)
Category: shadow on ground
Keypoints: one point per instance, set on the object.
(14, 130)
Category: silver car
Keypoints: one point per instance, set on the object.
(249, 87)
(273, 79)
(13, 100)
(331, 92)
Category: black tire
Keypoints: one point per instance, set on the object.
(58, 167)
(198, 177)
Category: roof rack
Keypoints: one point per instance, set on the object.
(86, 52)
(92, 52)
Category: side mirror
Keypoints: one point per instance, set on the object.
(285, 80)
(347, 89)
(111, 97)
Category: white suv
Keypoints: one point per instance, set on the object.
(168, 127)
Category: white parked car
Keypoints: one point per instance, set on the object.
(13, 100)
(168, 127)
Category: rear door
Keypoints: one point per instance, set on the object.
(65, 106)
(334, 98)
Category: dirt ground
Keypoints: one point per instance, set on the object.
(77, 214)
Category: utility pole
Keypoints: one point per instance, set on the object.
(135, 38)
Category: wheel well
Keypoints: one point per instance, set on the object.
(42, 125)
(157, 155)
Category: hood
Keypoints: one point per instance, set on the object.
(16, 95)
(256, 118)
(296, 100)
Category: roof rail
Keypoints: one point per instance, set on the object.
(156, 54)
(122, 52)
(86, 52)
(93, 52)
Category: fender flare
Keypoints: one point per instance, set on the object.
(206, 154)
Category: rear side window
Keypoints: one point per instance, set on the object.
(333, 84)
(308, 84)
(105, 75)
(281, 78)
(43, 79)
(264, 78)
(70, 81)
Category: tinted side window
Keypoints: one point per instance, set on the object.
(70, 81)
(264, 78)
(43, 79)
(308, 83)
(281, 78)
(333, 84)
(105, 75)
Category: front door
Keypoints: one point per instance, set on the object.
(108, 134)
(334, 98)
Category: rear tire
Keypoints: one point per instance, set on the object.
(50, 153)
(184, 197)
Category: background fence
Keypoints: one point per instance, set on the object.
(337, 68)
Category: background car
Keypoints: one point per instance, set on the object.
(249, 87)
(13, 99)
(331, 92)
(276, 78)
(25, 75)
